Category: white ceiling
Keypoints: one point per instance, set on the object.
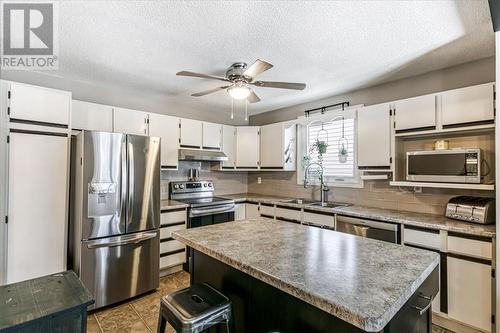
(333, 46)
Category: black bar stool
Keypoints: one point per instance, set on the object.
(194, 309)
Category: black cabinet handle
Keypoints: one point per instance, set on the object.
(424, 309)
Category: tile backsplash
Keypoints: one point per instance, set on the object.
(374, 194)
(224, 182)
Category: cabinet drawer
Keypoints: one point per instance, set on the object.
(173, 217)
(288, 213)
(267, 210)
(171, 245)
(426, 239)
(319, 219)
(166, 232)
(470, 247)
(173, 259)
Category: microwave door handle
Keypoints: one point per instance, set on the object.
(121, 241)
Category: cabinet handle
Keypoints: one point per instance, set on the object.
(422, 310)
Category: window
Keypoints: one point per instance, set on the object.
(339, 169)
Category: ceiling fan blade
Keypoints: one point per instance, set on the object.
(206, 92)
(258, 67)
(253, 98)
(203, 76)
(282, 85)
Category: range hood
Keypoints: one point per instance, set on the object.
(201, 155)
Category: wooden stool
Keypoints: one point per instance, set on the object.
(194, 309)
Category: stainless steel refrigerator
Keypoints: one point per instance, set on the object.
(115, 214)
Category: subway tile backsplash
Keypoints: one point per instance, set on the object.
(225, 182)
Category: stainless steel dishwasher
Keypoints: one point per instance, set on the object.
(384, 231)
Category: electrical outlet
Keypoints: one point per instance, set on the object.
(259, 180)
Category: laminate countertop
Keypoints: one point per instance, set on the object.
(423, 220)
(167, 204)
(361, 281)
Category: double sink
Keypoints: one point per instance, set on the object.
(313, 203)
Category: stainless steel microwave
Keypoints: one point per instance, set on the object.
(444, 166)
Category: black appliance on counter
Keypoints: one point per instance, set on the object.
(204, 207)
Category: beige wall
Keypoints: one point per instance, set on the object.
(377, 193)
(468, 74)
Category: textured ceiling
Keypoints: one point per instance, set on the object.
(333, 46)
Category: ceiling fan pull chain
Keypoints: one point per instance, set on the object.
(246, 109)
(232, 108)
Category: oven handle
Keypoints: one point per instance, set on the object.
(195, 212)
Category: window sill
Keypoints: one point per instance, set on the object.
(359, 184)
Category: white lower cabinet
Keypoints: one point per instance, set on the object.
(240, 212)
(469, 292)
(266, 210)
(288, 214)
(172, 252)
(37, 212)
(251, 211)
(322, 220)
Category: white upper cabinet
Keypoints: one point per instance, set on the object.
(271, 146)
(467, 105)
(166, 128)
(247, 147)
(228, 145)
(91, 116)
(417, 113)
(212, 136)
(191, 133)
(374, 136)
(129, 121)
(277, 146)
(39, 104)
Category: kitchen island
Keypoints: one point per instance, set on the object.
(288, 277)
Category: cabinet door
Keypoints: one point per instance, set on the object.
(91, 116)
(417, 113)
(271, 146)
(228, 145)
(212, 135)
(251, 211)
(191, 133)
(247, 147)
(468, 105)
(129, 121)
(239, 212)
(374, 136)
(167, 129)
(36, 240)
(32, 103)
(469, 292)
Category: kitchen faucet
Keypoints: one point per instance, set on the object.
(324, 189)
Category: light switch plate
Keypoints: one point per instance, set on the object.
(259, 180)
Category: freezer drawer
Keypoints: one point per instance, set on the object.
(117, 268)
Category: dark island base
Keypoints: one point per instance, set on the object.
(260, 307)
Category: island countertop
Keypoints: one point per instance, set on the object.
(361, 281)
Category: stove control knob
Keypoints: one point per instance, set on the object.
(205, 185)
(209, 184)
(181, 186)
(176, 187)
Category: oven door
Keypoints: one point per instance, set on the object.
(202, 216)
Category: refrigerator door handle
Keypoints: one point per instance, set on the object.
(120, 241)
(123, 179)
(130, 178)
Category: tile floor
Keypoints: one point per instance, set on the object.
(140, 315)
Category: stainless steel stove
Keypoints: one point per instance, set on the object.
(204, 207)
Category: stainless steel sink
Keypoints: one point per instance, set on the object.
(329, 204)
(299, 201)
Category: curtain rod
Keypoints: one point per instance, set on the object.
(322, 109)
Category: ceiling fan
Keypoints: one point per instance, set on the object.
(240, 77)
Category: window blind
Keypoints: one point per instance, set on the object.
(331, 163)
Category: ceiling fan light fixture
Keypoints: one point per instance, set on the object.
(239, 92)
